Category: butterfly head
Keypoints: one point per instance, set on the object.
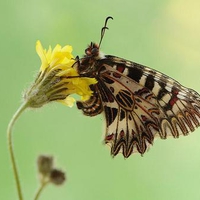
(87, 66)
(92, 50)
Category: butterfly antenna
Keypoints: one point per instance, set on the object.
(103, 30)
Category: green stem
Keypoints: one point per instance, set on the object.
(10, 147)
(42, 186)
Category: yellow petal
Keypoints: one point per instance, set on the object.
(90, 81)
(48, 54)
(41, 53)
(67, 48)
(68, 101)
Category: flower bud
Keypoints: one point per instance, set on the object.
(45, 165)
(57, 177)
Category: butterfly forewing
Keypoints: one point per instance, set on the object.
(138, 103)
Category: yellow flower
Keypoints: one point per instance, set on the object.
(57, 78)
(60, 57)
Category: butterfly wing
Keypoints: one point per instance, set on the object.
(140, 103)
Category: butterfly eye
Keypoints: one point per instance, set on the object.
(92, 50)
(95, 52)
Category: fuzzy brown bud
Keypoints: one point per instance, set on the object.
(45, 164)
(57, 177)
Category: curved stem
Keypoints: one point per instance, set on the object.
(10, 147)
(42, 186)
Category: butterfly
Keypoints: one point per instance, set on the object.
(138, 103)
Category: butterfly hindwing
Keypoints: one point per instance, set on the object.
(131, 119)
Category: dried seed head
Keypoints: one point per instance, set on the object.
(57, 177)
(45, 165)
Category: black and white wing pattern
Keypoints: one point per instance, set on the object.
(138, 103)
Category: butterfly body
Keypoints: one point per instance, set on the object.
(138, 103)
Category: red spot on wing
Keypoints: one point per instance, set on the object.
(144, 118)
(109, 137)
(122, 133)
(174, 98)
(116, 75)
(120, 68)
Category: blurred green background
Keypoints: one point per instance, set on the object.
(163, 34)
